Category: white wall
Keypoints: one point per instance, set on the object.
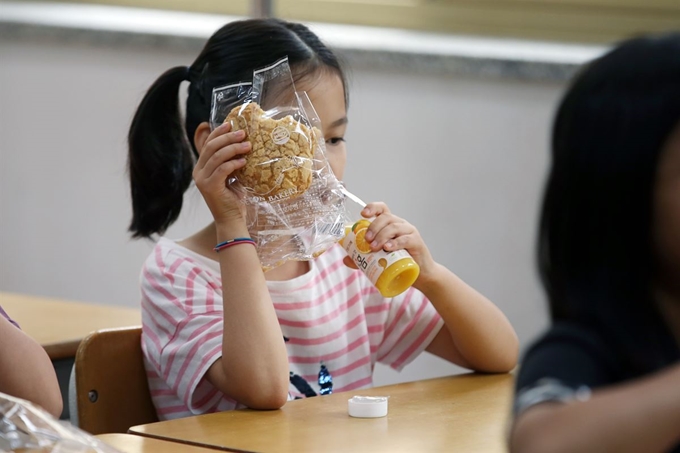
(462, 159)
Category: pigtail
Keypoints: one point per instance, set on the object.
(160, 160)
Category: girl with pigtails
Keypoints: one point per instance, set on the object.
(218, 332)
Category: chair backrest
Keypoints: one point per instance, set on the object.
(111, 387)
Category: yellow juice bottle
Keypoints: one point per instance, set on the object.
(392, 273)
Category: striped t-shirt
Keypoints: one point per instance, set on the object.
(331, 314)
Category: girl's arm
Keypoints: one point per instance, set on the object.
(477, 334)
(253, 369)
(643, 415)
(27, 371)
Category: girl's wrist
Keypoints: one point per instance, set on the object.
(429, 275)
(227, 213)
(228, 229)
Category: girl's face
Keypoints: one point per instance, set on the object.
(328, 97)
(667, 212)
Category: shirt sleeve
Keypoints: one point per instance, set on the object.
(186, 359)
(182, 329)
(410, 326)
(570, 354)
(6, 316)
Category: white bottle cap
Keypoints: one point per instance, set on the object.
(367, 406)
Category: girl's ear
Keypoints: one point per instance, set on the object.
(201, 135)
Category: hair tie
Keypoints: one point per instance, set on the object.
(187, 73)
(232, 242)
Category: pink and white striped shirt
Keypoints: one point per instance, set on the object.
(331, 314)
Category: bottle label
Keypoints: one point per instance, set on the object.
(373, 264)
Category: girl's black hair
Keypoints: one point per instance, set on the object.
(596, 254)
(161, 150)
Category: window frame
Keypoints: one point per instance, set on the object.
(585, 21)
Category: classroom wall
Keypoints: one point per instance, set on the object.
(462, 158)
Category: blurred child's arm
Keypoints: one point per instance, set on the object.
(643, 415)
(27, 371)
(476, 335)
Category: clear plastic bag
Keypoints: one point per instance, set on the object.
(294, 203)
(24, 426)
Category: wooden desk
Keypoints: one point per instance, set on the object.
(464, 413)
(59, 326)
(127, 443)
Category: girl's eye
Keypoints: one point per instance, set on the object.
(335, 140)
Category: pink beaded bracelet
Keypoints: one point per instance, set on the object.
(229, 243)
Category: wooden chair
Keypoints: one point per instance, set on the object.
(109, 389)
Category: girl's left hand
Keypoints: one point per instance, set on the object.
(390, 233)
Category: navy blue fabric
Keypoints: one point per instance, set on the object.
(577, 356)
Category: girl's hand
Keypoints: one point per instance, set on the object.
(221, 155)
(390, 233)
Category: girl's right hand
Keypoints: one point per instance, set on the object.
(221, 155)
